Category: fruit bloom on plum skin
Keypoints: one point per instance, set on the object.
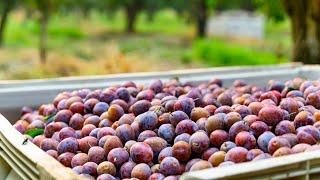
(163, 129)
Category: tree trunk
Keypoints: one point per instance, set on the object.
(43, 37)
(3, 20)
(131, 14)
(297, 11)
(150, 15)
(201, 18)
(314, 9)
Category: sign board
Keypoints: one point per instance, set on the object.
(236, 24)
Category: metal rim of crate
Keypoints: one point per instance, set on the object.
(35, 95)
(138, 76)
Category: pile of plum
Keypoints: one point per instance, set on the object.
(162, 130)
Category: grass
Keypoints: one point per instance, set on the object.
(215, 52)
(97, 45)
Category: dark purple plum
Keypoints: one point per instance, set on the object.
(186, 126)
(118, 156)
(90, 168)
(170, 166)
(126, 169)
(68, 145)
(263, 140)
(125, 132)
(141, 152)
(185, 104)
(146, 134)
(166, 152)
(177, 116)
(100, 108)
(182, 137)
(167, 132)
(147, 120)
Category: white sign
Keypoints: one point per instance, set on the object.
(236, 24)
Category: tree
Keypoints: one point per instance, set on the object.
(6, 6)
(273, 9)
(297, 12)
(201, 12)
(314, 13)
(196, 10)
(248, 5)
(45, 9)
(131, 8)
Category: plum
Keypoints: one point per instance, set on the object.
(186, 126)
(199, 142)
(141, 171)
(170, 166)
(79, 159)
(276, 143)
(218, 137)
(285, 127)
(215, 122)
(96, 154)
(141, 152)
(167, 132)
(271, 115)
(259, 127)
(166, 152)
(86, 143)
(126, 169)
(200, 165)
(181, 151)
(68, 145)
(207, 153)
(177, 116)
(111, 143)
(156, 144)
(66, 158)
(217, 158)
(246, 140)
(146, 134)
(118, 156)
(237, 155)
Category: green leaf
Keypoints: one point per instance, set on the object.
(34, 132)
(49, 118)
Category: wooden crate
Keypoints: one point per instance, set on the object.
(29, 162)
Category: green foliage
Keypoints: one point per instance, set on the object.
(219, 53)
(34, 132)
(249, 5)
(273, 9)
